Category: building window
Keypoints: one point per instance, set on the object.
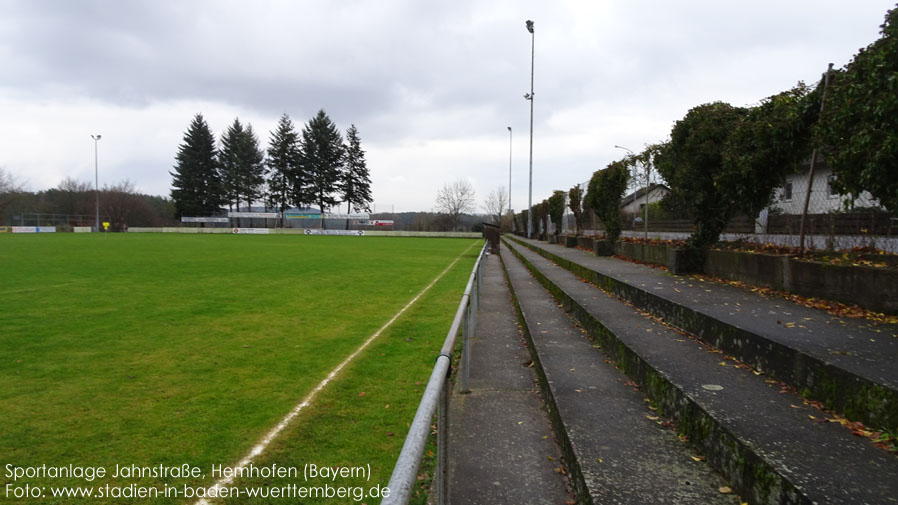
(830, 190)
(787, 192)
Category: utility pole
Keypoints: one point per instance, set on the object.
(807, 195)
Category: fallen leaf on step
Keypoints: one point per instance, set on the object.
(725, 489)
(698, 458)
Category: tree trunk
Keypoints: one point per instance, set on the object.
(321, 209)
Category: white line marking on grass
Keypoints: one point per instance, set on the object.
(271, 435)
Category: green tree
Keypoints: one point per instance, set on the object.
(229, 164)
(253, 167)
(543, 214)
(859, 125)
(196, 185)
(603, 196)
(555, 207)
(242, 165)
(283, 166)
(767, 143)
(356, 180)
(692, 163)
(321, 159)
(575, 203)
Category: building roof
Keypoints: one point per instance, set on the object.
(641, 192)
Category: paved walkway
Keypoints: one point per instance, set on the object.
(502, 449)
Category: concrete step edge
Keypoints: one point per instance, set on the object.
(840, 390)
(738, 459)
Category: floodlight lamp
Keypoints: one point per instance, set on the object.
(530, 26)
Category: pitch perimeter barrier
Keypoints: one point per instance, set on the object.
(301, 231)
(405, 473)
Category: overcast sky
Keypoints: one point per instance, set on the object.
(431, 86)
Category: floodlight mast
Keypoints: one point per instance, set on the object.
(529, 97)
(96, 138)
(509, 177)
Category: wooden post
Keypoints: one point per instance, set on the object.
(807, 195)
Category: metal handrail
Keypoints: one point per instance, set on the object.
(405, 472)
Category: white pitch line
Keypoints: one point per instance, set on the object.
(271, 435)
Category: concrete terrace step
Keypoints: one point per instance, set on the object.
(500, 437)
(761, 438)
(851, 366)
(615, 449)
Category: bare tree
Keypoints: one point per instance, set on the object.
(74, 197)
(122, 204)
(454, 200)
(496, 204)
(10, 187)
(9, 183)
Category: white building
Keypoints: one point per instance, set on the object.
(633, 203)
(789, 199)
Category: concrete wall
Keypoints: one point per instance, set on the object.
(871, 288)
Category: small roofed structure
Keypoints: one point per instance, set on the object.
(491, 234)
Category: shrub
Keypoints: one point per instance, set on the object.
(556, 209)
(603, 196)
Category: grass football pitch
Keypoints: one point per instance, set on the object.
(159, 351)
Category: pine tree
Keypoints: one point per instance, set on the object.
(252, 167)
(242, 167)
(196, 185)
(356, 180)
(321, 160)
(283, 165)
(229, 163)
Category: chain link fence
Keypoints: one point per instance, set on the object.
(833, 222)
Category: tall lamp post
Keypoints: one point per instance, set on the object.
(645, 208)
(529, 97)
(96, 181)
(509, 178)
